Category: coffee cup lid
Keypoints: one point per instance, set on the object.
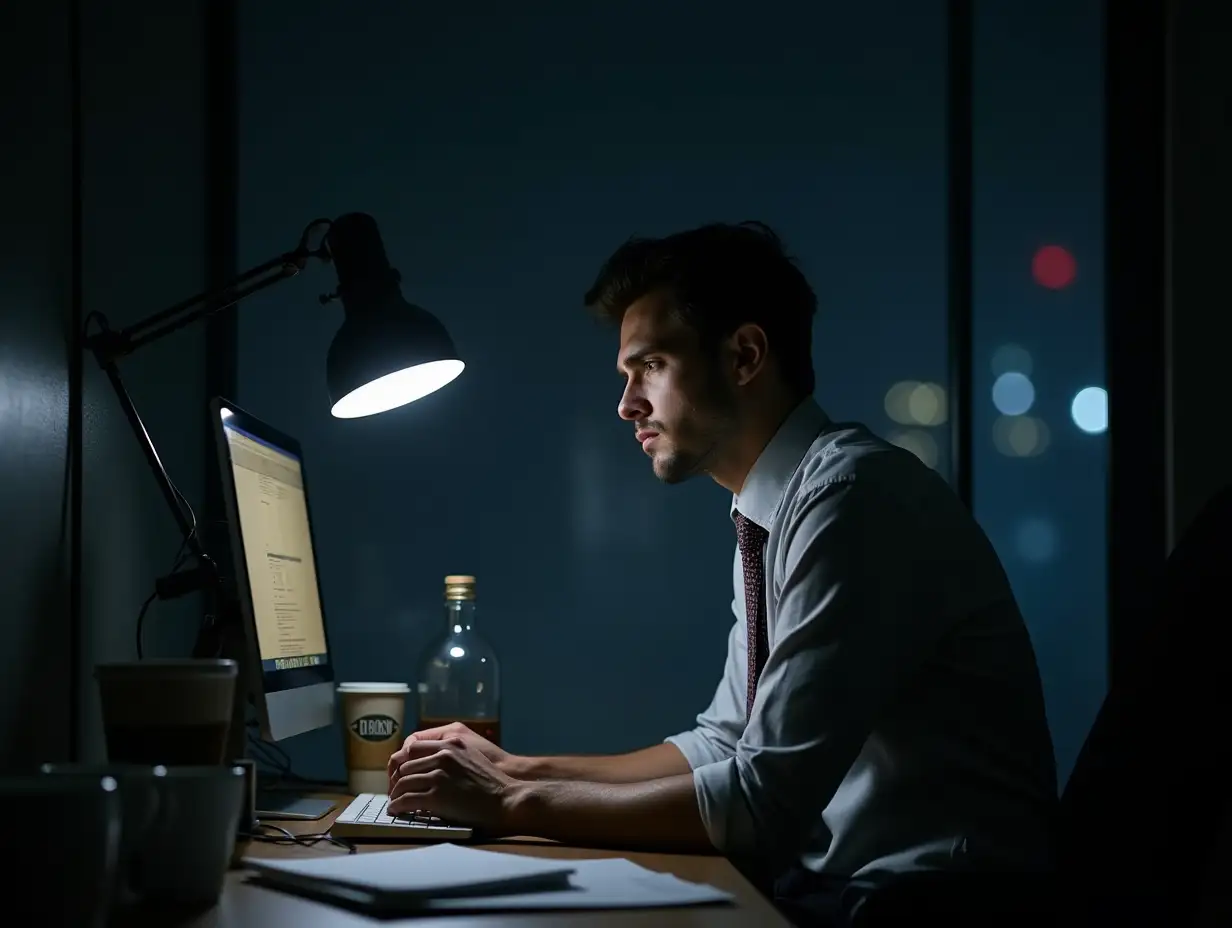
(373, 689)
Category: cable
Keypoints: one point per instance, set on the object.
(275, 757)
(285, 837)
(192, 516)
(145, 606)
(284, 759)
(260, 752)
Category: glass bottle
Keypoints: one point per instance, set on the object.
(460, 677)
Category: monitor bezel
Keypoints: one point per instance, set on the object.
(299, 699)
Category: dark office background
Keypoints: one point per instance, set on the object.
(504, 163)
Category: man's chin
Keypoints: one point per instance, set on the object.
(673, 469)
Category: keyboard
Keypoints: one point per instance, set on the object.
(366, 817)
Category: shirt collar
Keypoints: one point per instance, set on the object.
(762, 494)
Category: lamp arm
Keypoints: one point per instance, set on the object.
(186, 524)
(151, 329)
(108, 345)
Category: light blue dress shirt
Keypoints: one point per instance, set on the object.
(899, 722)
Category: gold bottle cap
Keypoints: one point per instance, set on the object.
(459, 586)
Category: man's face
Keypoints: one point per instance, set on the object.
(676, 396)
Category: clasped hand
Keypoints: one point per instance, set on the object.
(450, 772)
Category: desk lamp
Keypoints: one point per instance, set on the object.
(387, 353)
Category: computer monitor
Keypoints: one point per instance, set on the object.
(286, 667)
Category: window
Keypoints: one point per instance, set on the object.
(1039, 452)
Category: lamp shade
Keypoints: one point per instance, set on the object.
(380, 360)
(388, 352)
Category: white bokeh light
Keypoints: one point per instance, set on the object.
(916, 402)
(397, 389)
(1089, 410)
(1013, 393)
(1020, 436)
(926, 403)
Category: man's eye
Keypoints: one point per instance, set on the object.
(652, 365)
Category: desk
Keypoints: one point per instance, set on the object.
(244, 905)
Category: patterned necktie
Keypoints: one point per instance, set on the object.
(751, 538)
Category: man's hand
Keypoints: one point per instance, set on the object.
(452, 731)
(452, 778)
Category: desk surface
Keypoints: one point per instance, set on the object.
(243, 904)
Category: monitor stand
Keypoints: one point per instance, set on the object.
(271, 802)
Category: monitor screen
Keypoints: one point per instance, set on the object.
(276, 568)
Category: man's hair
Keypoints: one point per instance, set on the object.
(718, 278)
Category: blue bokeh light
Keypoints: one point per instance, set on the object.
(1089, 410)
(1013, 393)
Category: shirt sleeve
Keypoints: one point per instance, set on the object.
(851, 627)
(719, 727)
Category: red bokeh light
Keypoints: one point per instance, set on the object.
(1053, 267)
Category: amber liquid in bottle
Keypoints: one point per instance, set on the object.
(459, 680)
(485, 728)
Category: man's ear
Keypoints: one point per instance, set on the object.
(749, 352)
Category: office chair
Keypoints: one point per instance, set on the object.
(1142, 812)
(1146, 808)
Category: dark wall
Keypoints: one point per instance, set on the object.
(36, 276)
(141, 246)
(1201, 202)
(143, 208)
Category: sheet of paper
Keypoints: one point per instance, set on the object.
(595, 884)
(439, 869)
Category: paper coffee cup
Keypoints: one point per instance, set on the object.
(373, 716)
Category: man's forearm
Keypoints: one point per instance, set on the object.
(660, 813)
(653, 763)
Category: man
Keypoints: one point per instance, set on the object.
(880, 710)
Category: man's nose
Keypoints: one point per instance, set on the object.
(632, 406)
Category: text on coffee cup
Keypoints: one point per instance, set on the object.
(375, 727)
